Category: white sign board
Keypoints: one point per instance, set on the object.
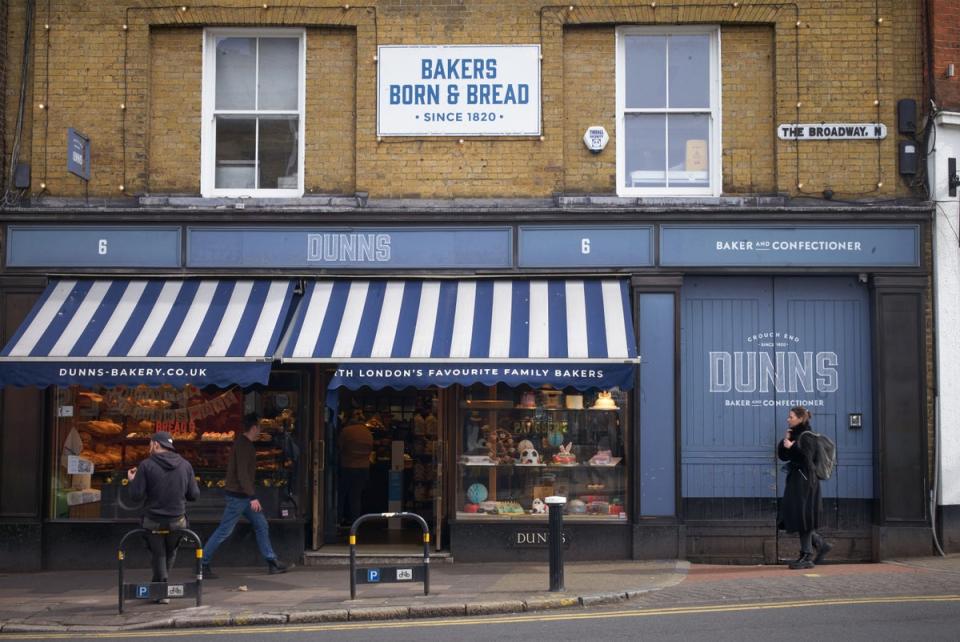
(832, 131)
(458, 90)
(78, 465)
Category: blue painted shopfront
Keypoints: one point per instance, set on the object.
(751, 348)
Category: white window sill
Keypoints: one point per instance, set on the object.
(263, 193)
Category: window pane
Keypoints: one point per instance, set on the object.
(690, 71)
(279, 73)
(689, 154)
(645, 153)
(236, 65)
(278, 153)
(236, 153)
(646, 66)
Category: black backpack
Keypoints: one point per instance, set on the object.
(824, 454)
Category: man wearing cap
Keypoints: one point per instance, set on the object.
(165, 481)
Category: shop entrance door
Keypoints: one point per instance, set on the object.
(829, 317)
(399, 470)
(752, 347)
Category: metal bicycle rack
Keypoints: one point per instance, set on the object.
(159, 590)
(389, 574)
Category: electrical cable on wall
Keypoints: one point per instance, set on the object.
(46, 102)
(11, 195)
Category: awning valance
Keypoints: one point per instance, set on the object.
(582, 376)
(459, 321)
(129, 332)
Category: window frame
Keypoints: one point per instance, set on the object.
(208, 140)
(713, 188)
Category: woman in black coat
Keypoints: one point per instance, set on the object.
(801, 506)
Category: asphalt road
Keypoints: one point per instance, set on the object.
(850, 620)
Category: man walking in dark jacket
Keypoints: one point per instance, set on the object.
(241, 500)
(165, 480)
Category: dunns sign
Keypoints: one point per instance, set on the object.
(773, 364)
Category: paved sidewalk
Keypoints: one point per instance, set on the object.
(87, 601)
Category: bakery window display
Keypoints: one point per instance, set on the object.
(101, 432)
(522, 444)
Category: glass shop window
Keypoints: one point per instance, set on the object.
(519, 446)
(101, 432)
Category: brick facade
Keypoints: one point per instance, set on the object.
(945, 50)
(86, 65)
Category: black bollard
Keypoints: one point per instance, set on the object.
(556, 542)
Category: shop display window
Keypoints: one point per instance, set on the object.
(519, 446)
(102, 432)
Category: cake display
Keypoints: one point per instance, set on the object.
(528, 401)
(602, 458)
(551, 398)
(530, 442)
(565, 457)
(604, 402)
(574, 402)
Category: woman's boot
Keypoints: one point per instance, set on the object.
(805, 561)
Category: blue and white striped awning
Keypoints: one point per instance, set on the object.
(112, 332)
(481, 320)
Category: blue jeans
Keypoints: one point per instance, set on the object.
(237, 507)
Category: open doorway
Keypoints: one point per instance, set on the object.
(388, 446)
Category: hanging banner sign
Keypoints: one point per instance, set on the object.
(832, 131)
(458, 90)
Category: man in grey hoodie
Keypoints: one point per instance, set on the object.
(166, 481)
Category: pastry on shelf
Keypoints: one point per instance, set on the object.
(102, 427)
(217, 436)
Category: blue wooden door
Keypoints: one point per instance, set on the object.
(727, 417)
(751, 348)
(825, 327)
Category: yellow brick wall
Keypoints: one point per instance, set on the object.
(175, 111)
(589, 98)
(330, 146)
(747, 90)
(85, 66)
(175, 81)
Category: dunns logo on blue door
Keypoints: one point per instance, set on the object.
(774, 362)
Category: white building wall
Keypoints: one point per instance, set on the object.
(946, 239)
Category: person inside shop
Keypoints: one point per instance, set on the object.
(356, 445)
(801, 506)
(241, 501)
(164, 481)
